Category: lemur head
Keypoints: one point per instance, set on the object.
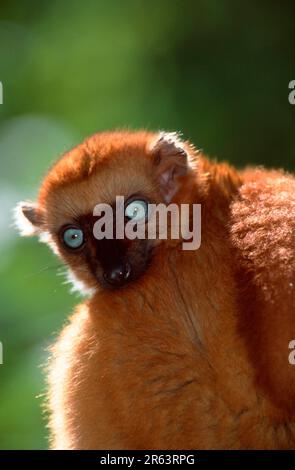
(145, 168)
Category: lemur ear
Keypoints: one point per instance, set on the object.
(172, 161)
(27, 218)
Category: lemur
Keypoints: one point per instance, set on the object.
(172, 348)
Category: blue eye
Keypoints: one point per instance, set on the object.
(73, 237)
(136, 210)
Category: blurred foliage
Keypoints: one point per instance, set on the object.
(218, 70)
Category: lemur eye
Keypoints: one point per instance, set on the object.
(73, 237)
(136, 210)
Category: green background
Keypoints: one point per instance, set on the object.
(216, 70)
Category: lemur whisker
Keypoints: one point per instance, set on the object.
(42, 270)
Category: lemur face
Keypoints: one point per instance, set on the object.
(141, 169)
(111, 262)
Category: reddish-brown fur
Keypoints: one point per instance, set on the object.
(194, 353)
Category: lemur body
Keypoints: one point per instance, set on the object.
(190, 349)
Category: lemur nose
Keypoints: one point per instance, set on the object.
(118, 274)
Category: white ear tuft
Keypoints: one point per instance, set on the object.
(172, 160)
(169, 143)
(25, 219)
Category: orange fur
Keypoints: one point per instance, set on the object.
(194, 353)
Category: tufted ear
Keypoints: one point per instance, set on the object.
(172, 161)
(27, 218)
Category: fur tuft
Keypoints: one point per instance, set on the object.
(21, 222)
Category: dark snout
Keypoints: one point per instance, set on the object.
(118, 274)
(112, 257)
